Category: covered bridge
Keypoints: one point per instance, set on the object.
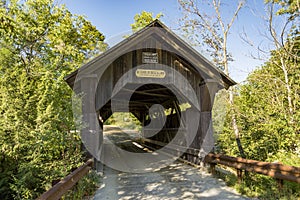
(165, 83)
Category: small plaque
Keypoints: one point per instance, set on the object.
(149, 57)
(150, 73)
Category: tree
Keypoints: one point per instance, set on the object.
(143, 19)
(268, 103)
(284, 44)
(280, 37)
(291, 7)
(264, 111)
(212, 33)
(40, 43)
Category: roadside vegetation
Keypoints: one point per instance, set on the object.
(41, 42)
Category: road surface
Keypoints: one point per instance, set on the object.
(176, 181)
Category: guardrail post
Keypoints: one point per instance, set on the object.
(212, 167)
(279, 183)
(239, 173)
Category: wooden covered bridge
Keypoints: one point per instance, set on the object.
(153, 74)
(170, 88)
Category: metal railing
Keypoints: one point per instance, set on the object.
(59, 189)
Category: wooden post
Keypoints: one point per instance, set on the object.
(212, 168)
(279, 183)
(92, 127)
(239, 173)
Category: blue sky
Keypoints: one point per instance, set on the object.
(113, 19)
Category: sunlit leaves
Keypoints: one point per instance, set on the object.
(40, 44)
(143, 19)
(264, 118)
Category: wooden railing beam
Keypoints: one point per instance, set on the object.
(59, 189)
(275, 170)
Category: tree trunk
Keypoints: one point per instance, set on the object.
(231, 102)
(235, 126)
(289, 91)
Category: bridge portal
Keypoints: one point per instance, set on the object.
(166, 84)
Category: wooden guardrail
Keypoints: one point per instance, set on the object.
(59, 189)
(276, 170)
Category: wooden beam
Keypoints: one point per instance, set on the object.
(59, 189)
(146, 93)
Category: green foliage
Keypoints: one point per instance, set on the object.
(143, 19)
(219, 111)
(290, 7)
(40, 43)
(261, 186)
(124, 120)
(268, 114)
(265, 115)
(268, 105)
(84, 188)
(266, 124)
(264, 187)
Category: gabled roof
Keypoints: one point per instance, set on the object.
(201, 64)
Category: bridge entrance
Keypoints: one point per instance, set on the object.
(167, 85)
(155, 106)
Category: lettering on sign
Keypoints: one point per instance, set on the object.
(150, 73)
(149, 57)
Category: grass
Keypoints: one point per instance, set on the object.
(262, 187)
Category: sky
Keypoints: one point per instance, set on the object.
(113, 19)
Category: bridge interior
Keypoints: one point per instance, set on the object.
(175, 181)
(154, 105)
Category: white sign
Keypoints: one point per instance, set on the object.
(149, 57)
